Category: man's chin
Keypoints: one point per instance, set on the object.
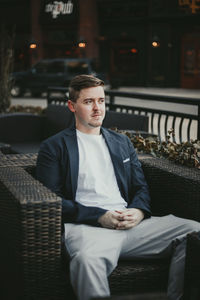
(95, 124)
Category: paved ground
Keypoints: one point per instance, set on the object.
(165, 91)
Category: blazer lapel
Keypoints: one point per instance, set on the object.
(116, 157)
(72, 149)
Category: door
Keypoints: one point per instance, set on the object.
(190, 62)
(124, 62)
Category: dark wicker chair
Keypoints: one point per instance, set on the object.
(192, 268)
(32, 257)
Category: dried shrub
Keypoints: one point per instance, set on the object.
(26, 109)
(186, 153)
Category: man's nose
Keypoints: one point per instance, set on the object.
(96, 105)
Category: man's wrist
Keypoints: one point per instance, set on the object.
(99, 220)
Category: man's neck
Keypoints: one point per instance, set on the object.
(94, 131)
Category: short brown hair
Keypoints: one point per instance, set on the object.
(81, 82)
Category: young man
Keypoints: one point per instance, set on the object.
(105, 198)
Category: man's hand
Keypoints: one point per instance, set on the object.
(110, 219)
(123, 219)
(130, 218)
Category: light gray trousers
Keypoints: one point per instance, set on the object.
(94, 252)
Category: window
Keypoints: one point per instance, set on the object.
(41, 68)
(77, 67)
(56, 67)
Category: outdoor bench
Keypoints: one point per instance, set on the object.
(25, 131)
(33, 257)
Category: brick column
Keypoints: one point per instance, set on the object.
(88, 28)
(36, 32)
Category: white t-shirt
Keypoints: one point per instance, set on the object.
(97, 184)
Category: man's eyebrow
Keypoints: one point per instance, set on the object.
(93, 98)
(88, 99)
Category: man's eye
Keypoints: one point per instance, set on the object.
(101, 100)
(88, 101)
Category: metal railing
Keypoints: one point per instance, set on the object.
(160, 120)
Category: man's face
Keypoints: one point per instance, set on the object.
(89, 109)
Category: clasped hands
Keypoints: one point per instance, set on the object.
(121, 219)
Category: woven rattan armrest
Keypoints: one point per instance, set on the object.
(174, 189)
(30, 227)
(192, 267)
(20, 160)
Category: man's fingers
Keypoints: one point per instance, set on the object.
(127, 223)
(129, 218)
(126, 226)
(120, 219)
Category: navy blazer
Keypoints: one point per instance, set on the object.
(57, 168)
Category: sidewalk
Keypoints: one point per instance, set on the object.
(164, 91)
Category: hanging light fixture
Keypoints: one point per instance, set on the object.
(155, 42)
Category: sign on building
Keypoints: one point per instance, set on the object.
(57, 8)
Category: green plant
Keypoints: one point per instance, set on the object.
(186, 153)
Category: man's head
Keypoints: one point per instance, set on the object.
(87, 102)
(82, 82)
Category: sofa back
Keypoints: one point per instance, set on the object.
(126, 121)
(20, 127)
(57, 118)
(25, 131)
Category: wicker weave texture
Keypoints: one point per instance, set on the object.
(21, 160)
(174, 189)
(131, 277)
(31, 227)
(31, 215)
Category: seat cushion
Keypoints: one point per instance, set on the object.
(139, 276)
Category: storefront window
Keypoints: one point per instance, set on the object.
(189, 60)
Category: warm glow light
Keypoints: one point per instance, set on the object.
(33, 46)
(21, 56)
(82, 45)
(133, 50)
(155, 44)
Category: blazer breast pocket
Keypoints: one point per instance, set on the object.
(126, 164)
(126, 160)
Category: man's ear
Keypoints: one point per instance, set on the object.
(71, 105)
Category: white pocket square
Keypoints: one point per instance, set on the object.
(125, 160)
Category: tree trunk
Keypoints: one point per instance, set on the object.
(6, 66)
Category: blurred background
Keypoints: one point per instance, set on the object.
(149, 43)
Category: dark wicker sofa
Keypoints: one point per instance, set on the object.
(33, 263)
(25, 131)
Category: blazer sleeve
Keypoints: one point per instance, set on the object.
(139, 192)
(49, 171)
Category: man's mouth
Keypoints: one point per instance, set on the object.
(96, 115)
